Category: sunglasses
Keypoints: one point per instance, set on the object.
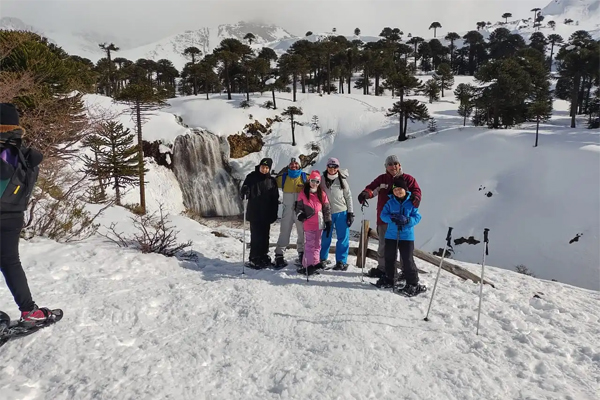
(392, 164)
(333, 166)
(315, 181)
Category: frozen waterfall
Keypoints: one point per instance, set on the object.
(200, 167)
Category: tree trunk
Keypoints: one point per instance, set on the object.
(465, 119)
(574, 96)
(349, 82)
(581, 95)
(274, 104)
(377, 85)
(140, 157)
(293, 131)
(328, 73)
(442, 85)
(587, 97)
(551, 54)
(227, 83)
(247, 88)
(303, 83)
(537, 130)
(294, 87)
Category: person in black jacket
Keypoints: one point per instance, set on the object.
(260, 188)
(19, 168)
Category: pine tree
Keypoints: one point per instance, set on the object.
(506, 16)
(115, 157)
(540, 110)
(464, 94)
(408, 109)
(432, 127)
(445, 77)
(97, 193)
(108, 48)
(435, 25)
(357, 32)
(431, 89)
(142, 97)
(193, 52)
(291, 112)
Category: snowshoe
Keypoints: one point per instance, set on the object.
(412, 290)
(340, 266)
(256, 264)
(383, 283)
(325, 264)
(9, 331)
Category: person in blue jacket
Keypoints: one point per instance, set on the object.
(401, 216)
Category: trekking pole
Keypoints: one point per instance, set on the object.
(395, 278)
(363, 241)
(447, 246)
(245, 201)
(485, 253)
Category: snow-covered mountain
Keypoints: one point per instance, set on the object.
(577, 10)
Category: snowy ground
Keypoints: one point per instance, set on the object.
(148, 327)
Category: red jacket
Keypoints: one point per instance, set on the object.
(381, 187)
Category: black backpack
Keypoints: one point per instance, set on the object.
(17, 182)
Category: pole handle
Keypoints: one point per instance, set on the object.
(486, 240)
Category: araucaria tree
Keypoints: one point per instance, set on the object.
(115, 157)
(408, 109)
(444, 76)
(142, 97)
(464, 93)
(291, 112)
(431, 89)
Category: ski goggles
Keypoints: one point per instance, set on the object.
(335, 166)
(315, 181)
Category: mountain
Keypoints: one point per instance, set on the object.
(206, 39)
(577, 10)
(15, 24)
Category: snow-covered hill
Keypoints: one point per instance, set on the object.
(577, 10)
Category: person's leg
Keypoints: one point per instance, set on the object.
(10, 263)
(342, 231)
(381, 247)
(255, 241)
(300, 241)
(326, 240)
(312, 249)
(390, 259)
(409, 268)
(266, 235)
(287, 221)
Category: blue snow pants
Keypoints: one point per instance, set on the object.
(342, 231)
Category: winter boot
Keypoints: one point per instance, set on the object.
(375, 273)
(413, 290)
(300, 257)
(279, 261)
(256, 263)
(340, 266)
(384, 282)
(311, 270)
(37, 316)
(266, 261)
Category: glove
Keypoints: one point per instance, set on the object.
(350, 218)
(328, 228)
(244, 192)
(362, 197)
(399, 219)
(302, 217)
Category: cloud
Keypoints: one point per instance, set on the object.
(144, 21)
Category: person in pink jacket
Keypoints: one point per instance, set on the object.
(313, 209)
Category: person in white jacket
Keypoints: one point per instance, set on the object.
(335, 185)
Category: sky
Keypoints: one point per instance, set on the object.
(145, 21)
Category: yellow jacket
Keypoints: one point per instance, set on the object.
(292, 185)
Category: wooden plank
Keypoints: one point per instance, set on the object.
(446, 265)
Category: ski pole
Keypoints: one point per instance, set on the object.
(363, 239)
(245, 201)
(447, 246)
(485, 253)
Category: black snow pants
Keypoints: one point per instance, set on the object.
(259, 239)
(10, 264)
(406, 248)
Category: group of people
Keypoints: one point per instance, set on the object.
(318, 203)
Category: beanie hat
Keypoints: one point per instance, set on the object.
(315, 175)
(333, 161)
(9, 117)
(267, 161)
(400, 182)
(390, 160)
(294, 160)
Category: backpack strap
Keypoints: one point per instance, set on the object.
(283, 179)
(303, 175)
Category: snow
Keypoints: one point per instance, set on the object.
(146, 326)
